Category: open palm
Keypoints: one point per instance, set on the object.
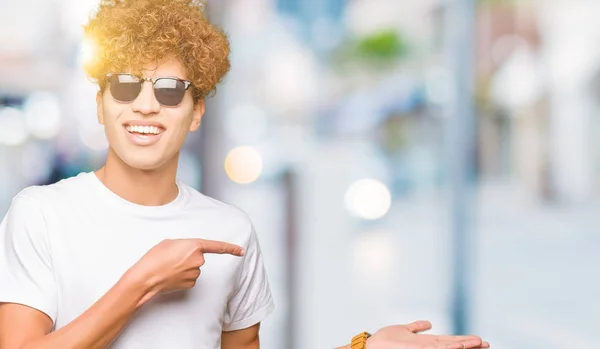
(409, 337)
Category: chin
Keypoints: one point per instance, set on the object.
(147, 164)
(144, 163)
(143, 159)
(144, 166)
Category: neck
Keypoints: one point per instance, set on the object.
(143, 187)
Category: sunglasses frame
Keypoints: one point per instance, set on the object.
(186, 83)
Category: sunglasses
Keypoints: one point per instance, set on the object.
(169, 92)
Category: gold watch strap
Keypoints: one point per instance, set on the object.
(360, 341)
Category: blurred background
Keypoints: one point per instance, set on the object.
(401, 159)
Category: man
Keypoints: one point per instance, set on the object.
(128, 256)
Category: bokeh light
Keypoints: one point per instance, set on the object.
(13, 129)
(368, 199)
(243, 164)
(43, 115)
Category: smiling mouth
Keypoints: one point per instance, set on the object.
(140, 130)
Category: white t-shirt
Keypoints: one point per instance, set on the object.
(64, 245)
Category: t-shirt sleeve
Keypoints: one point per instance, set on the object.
(26, 275)
(252, 301)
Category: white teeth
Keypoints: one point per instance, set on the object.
(143, 129)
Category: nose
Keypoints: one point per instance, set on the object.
(146, 102)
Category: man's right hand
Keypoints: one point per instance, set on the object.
(170, 265)
(175, 265)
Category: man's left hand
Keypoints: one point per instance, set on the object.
(410, 337)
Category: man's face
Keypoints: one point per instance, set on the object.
(144, 133)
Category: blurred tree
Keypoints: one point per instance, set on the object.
(384, 45)
(380, 50)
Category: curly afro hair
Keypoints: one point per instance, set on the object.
(128, 34)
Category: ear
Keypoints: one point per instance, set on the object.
(100, 107)
(198, 112)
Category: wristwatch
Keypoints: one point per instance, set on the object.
(360, 341)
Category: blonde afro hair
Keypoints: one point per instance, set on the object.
(129, 34)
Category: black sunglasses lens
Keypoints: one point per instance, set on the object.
(125, 88)
(169, 92)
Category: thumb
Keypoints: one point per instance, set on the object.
(419, 326)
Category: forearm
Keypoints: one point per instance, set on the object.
(97, 327)
(253, 345)
(241, 339)
(344, 347)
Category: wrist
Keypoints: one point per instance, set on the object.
(140, 286)
(360, 341)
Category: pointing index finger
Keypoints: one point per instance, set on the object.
(220, 247)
